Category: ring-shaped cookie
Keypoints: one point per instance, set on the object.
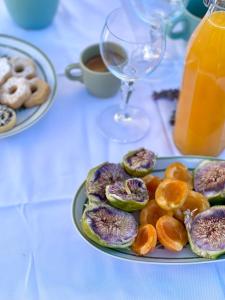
(15, 92)
(39, 92)
(7, 118)
(5, 70)
(23, 67)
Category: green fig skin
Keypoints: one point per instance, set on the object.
(217, 200)
(92, 195)
(140, 172)
(91, 234)
(209, 254)
(214, 198)
(136, 173)
(203, 253)
(94, 237)
(124, 204)
(92, 198)
(129, 206)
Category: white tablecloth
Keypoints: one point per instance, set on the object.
(42, 256)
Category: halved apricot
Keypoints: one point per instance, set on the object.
(151, 213)
(151, 183)
(179, 171)
(171, 194)
(196, 202)
(171, 233)
(145, 240)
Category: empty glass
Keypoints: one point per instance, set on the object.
(165, 8)
(131, 49)
(168, 10)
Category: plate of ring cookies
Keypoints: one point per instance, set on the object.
(27, 85)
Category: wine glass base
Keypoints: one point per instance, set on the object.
(128, 128)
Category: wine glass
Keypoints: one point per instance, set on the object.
(164, 8)
(131, 49)
(167, 10)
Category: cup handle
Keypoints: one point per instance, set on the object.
(69, 75)
(183, 31)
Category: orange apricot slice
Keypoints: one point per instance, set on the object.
(171, 194)
(151, 213)
(196, 202)
(171, 233)
(151, 183)
(179, 171)
(145, 240)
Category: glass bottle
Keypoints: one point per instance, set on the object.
(200, 117)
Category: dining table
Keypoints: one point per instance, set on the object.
(42, 255)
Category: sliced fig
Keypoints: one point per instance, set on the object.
(101, 176)
(129, 195)
(209, 179)
(139, 162)
(206, 232)
(109, 226)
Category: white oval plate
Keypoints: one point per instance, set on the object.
(160, 255)
(26, 117)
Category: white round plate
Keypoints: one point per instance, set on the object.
(26, 117)
(160, 255)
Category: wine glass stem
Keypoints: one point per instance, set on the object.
(127, 88)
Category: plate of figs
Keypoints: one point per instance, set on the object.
(159, 210)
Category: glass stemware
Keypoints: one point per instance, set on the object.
(131, 49)
(167, 10)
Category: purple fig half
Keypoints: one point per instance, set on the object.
(206, 232)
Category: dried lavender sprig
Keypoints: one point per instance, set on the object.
(170, 94)
(172, 118)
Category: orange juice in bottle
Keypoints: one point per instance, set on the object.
(200, 117)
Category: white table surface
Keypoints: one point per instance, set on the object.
(41, 254)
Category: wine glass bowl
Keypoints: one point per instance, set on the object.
(168, 10)
(131, 49)
(164, 8)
